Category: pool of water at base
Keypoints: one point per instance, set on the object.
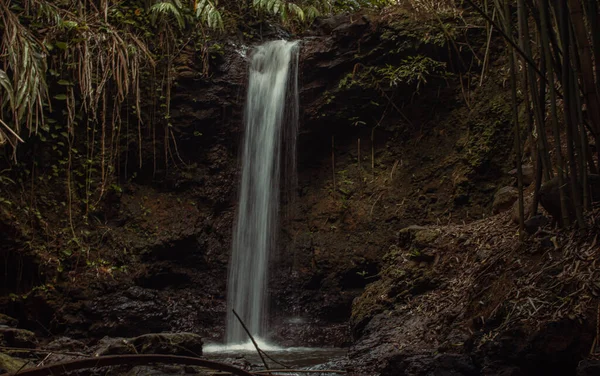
(293, 357)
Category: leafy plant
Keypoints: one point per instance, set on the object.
(169, 9)
(414, 69)
(207, 13)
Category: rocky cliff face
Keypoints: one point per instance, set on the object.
(379, 149)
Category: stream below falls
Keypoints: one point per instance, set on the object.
(293, 357)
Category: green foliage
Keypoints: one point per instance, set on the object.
(484, 149)
(305, 11)
(414, 69)
(21, 96)
(169, 10)
(287, 11)
(208, 14)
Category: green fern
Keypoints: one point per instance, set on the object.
(207, 12)
(288, 11)
(311, 13)
(6, 84)
(166, 9)
(49, 12)
(294, 10)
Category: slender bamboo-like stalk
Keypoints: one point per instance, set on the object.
(541, 98)
(516, 128)
(570, 123)
(587, 69)
(506, 37)
(537, 102)
(583, 153)
(593, 19)
(487, 50)
(581, 142)
(545, 25)
(538, 184)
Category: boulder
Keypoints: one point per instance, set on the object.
(504, 199)
(515, 210)
(528, 174)
(8, 321)
(13, 337)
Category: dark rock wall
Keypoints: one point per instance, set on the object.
(396, 155)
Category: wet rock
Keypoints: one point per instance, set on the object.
(14, 337)
(8, 321)
(310, 333)
(187, 344)
(504, 199)
(515, 210)
(10, 364)
(133, 312)
(351, 29)
(327, 25)
(588, 368)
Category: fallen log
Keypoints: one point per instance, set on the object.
(116, 360)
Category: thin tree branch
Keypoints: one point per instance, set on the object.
(258, 350)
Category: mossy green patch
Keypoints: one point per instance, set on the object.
(489, 132)
(399, 280)
(10, 364)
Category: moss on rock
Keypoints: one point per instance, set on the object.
(10, 364)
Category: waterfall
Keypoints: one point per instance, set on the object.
(271, 116)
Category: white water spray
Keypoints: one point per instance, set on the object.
(271, 117)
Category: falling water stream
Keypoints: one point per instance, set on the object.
(268, 155)
(270, 128)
